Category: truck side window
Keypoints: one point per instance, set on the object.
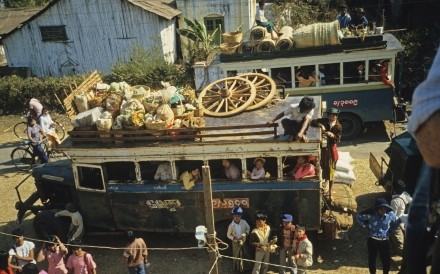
(90, 177)
(120, 172)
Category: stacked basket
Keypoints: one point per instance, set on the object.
(231, 41)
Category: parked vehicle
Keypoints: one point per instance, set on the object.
(348, 75)
(110, 178)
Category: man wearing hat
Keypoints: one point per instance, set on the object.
(380, 221)
(286, 236)
(359, 20)
(332, 130)
(258, 172)
(238, 231)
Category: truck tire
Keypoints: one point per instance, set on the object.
(351, 125)
(45, 224)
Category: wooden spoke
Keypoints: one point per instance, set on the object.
(227, 96)
(265, 87)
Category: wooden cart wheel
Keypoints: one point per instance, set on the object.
(227, 96)
(265, 87)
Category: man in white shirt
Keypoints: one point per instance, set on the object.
(76, 229)
(262, 21)
(300, 117)
(23, 251)
(400, 201)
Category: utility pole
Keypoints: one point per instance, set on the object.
(209, 214)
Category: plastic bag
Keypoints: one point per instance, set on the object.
(165, 113)
(167, 92)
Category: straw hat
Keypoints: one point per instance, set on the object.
(259, 159)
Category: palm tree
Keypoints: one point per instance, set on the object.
(197, 33)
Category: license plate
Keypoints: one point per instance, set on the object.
(230, 202)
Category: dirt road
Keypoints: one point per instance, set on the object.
(169, 253)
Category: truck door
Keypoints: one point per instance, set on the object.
(92, 195)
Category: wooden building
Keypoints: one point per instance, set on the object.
(78, 36)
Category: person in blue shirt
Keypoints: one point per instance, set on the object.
(343, 17)
(379, 220)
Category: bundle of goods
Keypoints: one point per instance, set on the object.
(120, 106)
(246, 47)
(267, 45)
(285, 41)
(343, 199)
(231, 41)
(344, 172)
(318, 34)
(258, 34)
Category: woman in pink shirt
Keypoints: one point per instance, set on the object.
(80, 261)
(53, 251)
(303, 168)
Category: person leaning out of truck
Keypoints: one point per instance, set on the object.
(258, 171)
(189, 178)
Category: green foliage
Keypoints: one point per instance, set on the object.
(203, 41)
(420, 48)
(15, 91)
(148, 68)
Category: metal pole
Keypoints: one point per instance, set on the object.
(209, 214)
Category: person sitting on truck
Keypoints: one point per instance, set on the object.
(231, 171)
(76, 229)
(303, 168)
(306, 79)
(300, 116)
(343, 17)
(383, 72)
(359, 19)
(258, 171)
(163, 172)
(262, 21)
(189, 178)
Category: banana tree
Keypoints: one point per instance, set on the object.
(197, 33)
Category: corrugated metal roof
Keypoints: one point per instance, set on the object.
(10, 22)
(164, 8)
(14, 18)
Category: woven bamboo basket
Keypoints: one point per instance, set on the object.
(246, 47)
(318, 34)
(156, 125)
(140, 96)
(229, 48)
(267, 45)
(258, 34)
(232, 37)
(285, 41)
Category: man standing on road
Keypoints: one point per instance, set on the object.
(135, 255)
(287, 234)
(379, 220)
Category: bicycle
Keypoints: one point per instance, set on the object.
(24, 157)
(20, 129)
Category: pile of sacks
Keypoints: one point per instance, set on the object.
(344, 170)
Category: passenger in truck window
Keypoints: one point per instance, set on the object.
(163, 172)
(231, 171)
(258, 171)
(190, 178)
(303, 168)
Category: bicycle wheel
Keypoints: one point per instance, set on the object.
(23, 158)
(60, 130)
(20, 130)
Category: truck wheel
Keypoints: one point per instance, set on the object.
(45, 224)
(351, 125)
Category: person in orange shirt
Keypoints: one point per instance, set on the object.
(303, 168)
